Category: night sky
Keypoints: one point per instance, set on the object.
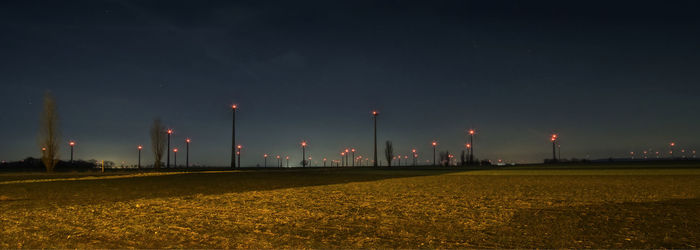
(609, 76)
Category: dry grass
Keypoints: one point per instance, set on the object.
(357, 209)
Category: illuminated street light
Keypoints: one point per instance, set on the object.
(434, 146)
(279, 162)
(265, 156)
(303, 153)
(170, 132)
(72, 144)
(469, 150)
(175, 155)
(347, 153)
(374, 117)
(471, 145)
(554, 147)
(287, 158)
(234, 108)
(324, 162)
(415, 156)
(353, 157)
(309, 161)
(672, 144)
(140, 148)
(187, 153)
(239, 155)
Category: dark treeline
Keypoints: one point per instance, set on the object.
(35, 164)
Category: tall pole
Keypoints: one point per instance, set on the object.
(287, 161)
(353, 157)
(72, 144)
(140, 147)
(471, 146)
(413, 152)
(374, 116)
(187, 154)
(554, 147)
(265, 156)
(469, 151)
(175, 154)
(303, 153)
(347, 153)
(239, 155)
(434, 145)
(170, 131)
(233, 136)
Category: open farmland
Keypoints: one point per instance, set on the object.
(355, 208)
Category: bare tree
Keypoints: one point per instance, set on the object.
(389, 152)
(49, 133)
(157, 142)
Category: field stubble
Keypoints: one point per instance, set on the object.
(355, 209)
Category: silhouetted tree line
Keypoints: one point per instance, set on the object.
(572, 160)
(36, 164)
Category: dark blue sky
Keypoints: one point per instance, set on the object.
(608, 76)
